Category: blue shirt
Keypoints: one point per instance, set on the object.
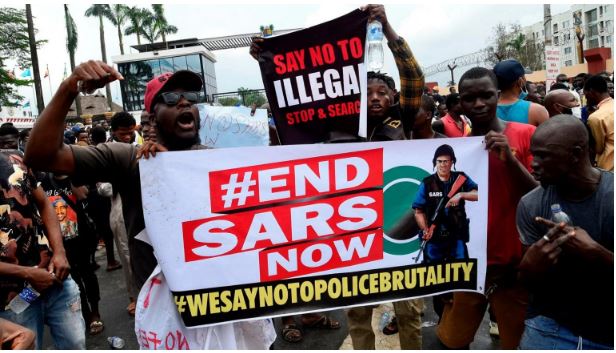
(517, 112)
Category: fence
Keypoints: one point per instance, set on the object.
(244, 97)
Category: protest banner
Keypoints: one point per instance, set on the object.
(552, 65)
(158, 325)
(232, 126)
(315, 79)
(254, 232)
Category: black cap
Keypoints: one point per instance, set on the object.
(444, 150)
(507, 72)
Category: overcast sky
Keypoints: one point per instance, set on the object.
(436, 31)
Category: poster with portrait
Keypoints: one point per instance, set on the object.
(66, 216)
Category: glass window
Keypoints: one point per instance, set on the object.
(568, 63)
(166, 65)
(556, 40)
(179, 63)
(593, 30)
(591, 15)
(566, 24)
(593, 43)
(555, 28)
(568, 50)
(608, 40)
(193, 63)
(155, 65)
(136, 76)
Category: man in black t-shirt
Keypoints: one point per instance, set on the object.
(77, 235)
(568, 268)
(169, 99)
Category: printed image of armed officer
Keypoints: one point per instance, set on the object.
(439, 209)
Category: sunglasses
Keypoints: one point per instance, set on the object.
(172, 98)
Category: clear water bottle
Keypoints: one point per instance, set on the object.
(559, 216)
(375, 46)
(385, 319)
(23, 300)
(115, 342)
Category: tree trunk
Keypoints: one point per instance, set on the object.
(121, 39)
(104, 53)
(40, 104)
(78, 98)
(138, 38)
(164, 39)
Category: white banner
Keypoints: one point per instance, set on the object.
(267, 231)
(232, 126)
(552, 65)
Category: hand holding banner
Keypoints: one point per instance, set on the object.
(315, 79)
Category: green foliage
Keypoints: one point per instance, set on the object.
(511, 43)
(249, 97)
(98, 10)
(14, 40)
(8, 89)
(118, 14)
(71, 33)
(245, 97)
(157, 25)
(15, 45)
(229, 101)
(139, 19)
(160, 21)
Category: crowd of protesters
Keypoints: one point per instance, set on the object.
(549, 285)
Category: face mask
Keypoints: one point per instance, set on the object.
(577, 112)
(523, 94)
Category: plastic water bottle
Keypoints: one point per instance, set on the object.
(115, 342)
(23, 300)
(375, 46)
(558, 215)
(385, 319)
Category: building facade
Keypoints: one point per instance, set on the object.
(596, 22)
(140, 68)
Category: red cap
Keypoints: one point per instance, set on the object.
(185, 79)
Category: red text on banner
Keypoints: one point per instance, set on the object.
(264, 184)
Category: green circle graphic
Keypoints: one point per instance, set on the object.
(400, 184)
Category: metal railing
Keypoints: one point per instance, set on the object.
(241, 96)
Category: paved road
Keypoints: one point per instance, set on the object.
(114, 300)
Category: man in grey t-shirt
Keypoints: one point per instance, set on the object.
(568, 268)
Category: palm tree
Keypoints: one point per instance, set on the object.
(138, 21)
(40, 105)
(100, 10)
(71, 45)
(118, 14)
(517, 44)
(161, 23)
(150, 30)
